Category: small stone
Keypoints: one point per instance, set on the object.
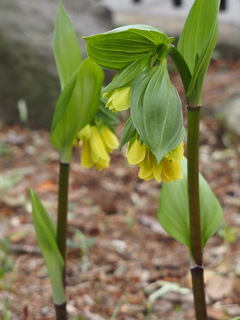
(71, 309)
(45, 310)
(233, 310)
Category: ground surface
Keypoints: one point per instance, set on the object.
(125, 255)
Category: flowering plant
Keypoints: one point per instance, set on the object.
(80, 118)
(143, 85)
(154, 131)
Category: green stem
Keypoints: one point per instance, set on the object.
(194, 213)
(61, 312)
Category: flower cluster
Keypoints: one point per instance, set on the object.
(147, 90)
(139, 154)
(142, 84)
(97, 142)
(169, 168)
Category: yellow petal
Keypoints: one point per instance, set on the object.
(157, 170)
(145, 166)
(136, 152)
(149, 177)
(102, 164)
(172, 170)
(144, 171)
(119, 100)
(109, 139)
(86, 159)
(84, 133)
(176, 154)
(98, 150)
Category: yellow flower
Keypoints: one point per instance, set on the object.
(96, 145)
(109, 139)
(169, 168)
(85, 133)
(119, 100)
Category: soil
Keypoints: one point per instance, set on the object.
(118, 254)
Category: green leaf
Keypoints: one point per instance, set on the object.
(182, 67)
(156, 111)
(126, 76)
(173, 213)
(76, 106)
(118, 48)
(194, 93)
(46, 236)
(66, 48)
(129, 132)
(109, 118)
(196, 43)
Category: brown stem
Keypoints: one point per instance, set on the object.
(197, 273)
(61, 312)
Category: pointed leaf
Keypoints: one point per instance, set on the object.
(156, 111)
(194, 93)
(173, 213)
(197, 42)
(46, 236)
(125, 76)
(64, 99)
(76, 106)
(109, 118)
(66, 48)
(119, 47)
(129, 132)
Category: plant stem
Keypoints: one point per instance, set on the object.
(197, 273)
(193, 184)
(194, 213)
(61, 312)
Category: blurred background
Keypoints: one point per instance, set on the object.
(28, 73)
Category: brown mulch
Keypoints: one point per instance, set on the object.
(125, 255)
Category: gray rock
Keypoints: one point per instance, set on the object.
(27, 66)
(229, 115)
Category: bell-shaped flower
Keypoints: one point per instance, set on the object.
(96, 143)
(85, 133)
(119, 99)
(109, 139)
(169, 169)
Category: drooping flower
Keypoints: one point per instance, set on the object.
(109, 139)
(96, 144)
(119, 99)
(169, 168)
(85, 133)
